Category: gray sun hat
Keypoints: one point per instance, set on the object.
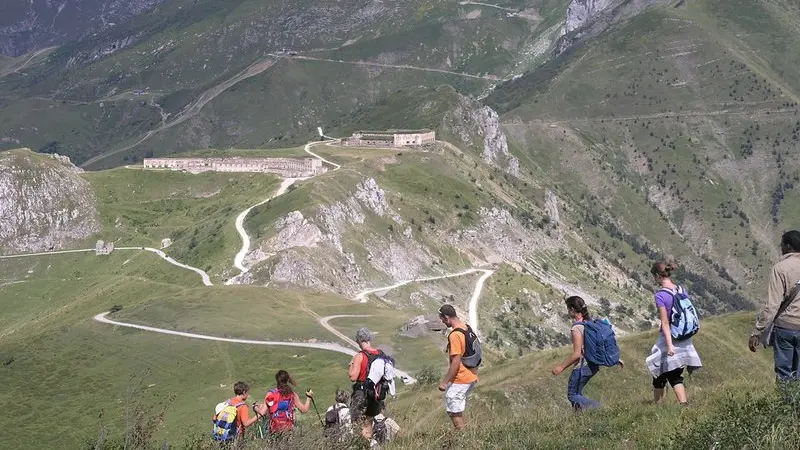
(363, 335)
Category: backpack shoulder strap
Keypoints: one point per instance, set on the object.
(788, 300)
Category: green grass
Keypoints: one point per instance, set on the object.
(518, 404)
(197, 211)
(89, 368)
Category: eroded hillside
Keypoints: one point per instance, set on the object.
(44, 203)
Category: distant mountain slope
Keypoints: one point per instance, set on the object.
(676, 132)
(208, 73)
(26, 26)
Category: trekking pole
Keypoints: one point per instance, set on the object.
(317, 411)
(259, 425)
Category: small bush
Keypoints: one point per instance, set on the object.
(428, 376)
(741, 422)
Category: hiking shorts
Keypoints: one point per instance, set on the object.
(455, 397)
(362, 405)
(673, 377)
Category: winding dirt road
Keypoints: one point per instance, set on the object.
(324, 322)
(26, 63)
(489, 5)
(314, 345)
(196, 106)
(238, 260)
(400, 67)
(238, 263)
(203, 274)
(308, 146)
(473, 302)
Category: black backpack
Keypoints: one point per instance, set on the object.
(332, 421)
(473, 353)
(379, 431)
(376, 391)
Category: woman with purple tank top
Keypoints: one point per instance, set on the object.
(668, 358)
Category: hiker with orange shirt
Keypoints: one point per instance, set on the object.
(232, 416)
(460, 379)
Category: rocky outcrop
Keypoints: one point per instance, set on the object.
(44, 204)
(581, 12)
(500, 237)
(66, 162)
(372, 196)
(478, 127)
(588, 18)
(495, 145)
(294, 230)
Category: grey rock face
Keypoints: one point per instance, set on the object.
(44, 204)
(581, 12)
(495, 145)
(295, 231)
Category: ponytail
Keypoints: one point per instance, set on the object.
(663, 269)
(578, 305)
(284, 382)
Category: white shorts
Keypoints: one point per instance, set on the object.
(455, 397)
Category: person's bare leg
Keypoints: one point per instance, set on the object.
(366, 429)
(680, 393)
(658, 395)
(458, 420)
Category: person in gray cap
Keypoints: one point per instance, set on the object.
(363, 407)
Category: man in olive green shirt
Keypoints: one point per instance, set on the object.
(786, 332)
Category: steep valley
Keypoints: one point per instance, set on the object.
(577, 142)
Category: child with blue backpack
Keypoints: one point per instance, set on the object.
(593, 345)
(673, 351)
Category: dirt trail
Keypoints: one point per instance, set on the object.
(27, 62)
(238, 260)
(315, 345)
(195, 107)
(473, 302)
(399, 66)
(488, 5)
(206, 279)
(722, 112)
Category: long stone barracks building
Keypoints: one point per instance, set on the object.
(285, 167)
(391, 138)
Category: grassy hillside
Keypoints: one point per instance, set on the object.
(95, 372)
(519, 404)
(196, 211)
(673, 134)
